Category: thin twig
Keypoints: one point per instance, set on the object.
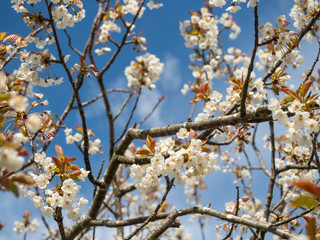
(226, 142)
(294, 217)
(236, 214)
(130, 117)
(71, 46)
(150, 218)
(77, 96)
(124, 104)
(257, 152)
(251, 65)
(151, 112)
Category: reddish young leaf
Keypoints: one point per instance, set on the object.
(144, 152)
(79, 4)
(91, 66)
(71, 159)
(24, 179)
(295, 41)
(193, 134)
(12, 38)
(22, 151)
(75, 173)
(286, 23)
(309, 187)
(2, 226)
(57, 162)
(290, 92)
(151, 143)
(59, 150)
(305, 86)
(306, 218)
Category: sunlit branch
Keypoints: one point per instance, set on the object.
(164, 226)
(280, 205)
(298, 167)
(130, 161)
(265, 226)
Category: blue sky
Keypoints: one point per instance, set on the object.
(161, 29)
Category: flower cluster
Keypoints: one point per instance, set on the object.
(144, 71)
(151, 5)
(106, 28)
(60, 13)
(299, 12)
(180, 162)
(233, 7)
(282, 39)
(112, 23)
(201, 30)
(9, 158)
(250, 210)
(27, 225)
(301, 121)
(209, 61)
(15, 109)
(94, 146)
(63, 195)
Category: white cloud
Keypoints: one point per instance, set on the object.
(171, 77)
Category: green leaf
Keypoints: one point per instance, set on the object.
(304, 201)
(288, 99)
(13, 188)
(74, 177)
(4, 96)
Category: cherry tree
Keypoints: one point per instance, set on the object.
(264, 125)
